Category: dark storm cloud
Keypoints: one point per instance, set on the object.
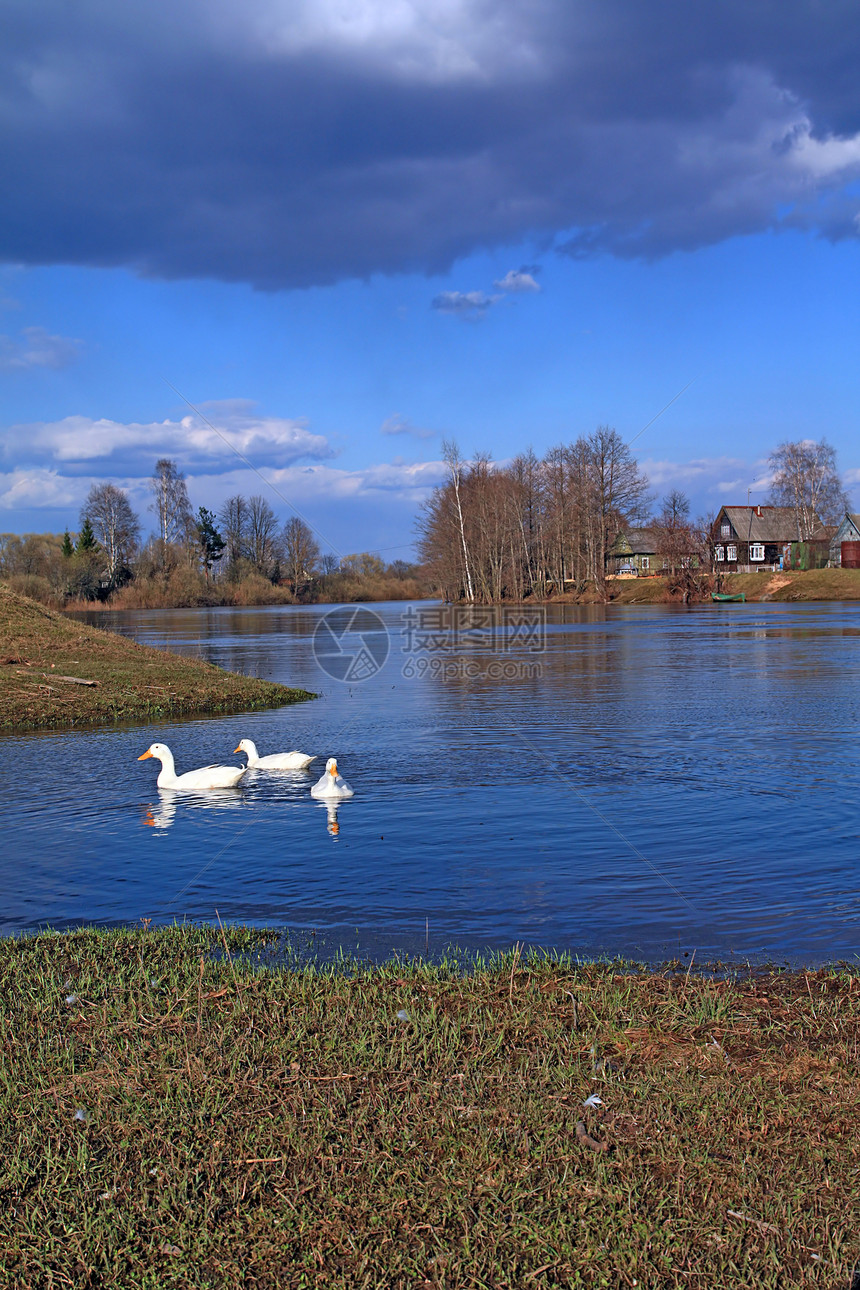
(290, 144)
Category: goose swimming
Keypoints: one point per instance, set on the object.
(192, 780)
(274, 761)
(331, 784)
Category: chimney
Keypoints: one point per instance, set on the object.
(758, 511)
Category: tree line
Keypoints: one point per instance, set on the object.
(542, 525)
(533, 526)
(239, 554)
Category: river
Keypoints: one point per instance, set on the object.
(649, 781)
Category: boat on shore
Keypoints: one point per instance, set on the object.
(723, 596)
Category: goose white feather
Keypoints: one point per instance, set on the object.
(274, 761)
(331, 785)
(193, 780)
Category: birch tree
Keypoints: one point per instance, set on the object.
(806, 478)
(115, 526)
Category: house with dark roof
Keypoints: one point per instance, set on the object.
(747, 538)
(634, 551)
(847, 531)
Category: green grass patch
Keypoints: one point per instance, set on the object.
(40, 649)
(414, 1126)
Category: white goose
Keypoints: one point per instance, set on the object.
(193, 780)
(331, 785)
(275, 761)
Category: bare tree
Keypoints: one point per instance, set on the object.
(676, 536)
(170, 501)
(619, 494)
(805, 477)
(263, 539)
(233, 519)
(301, 553)
(454, 462)
(115, 525)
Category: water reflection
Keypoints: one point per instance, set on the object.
(332, 823)
(163, 814)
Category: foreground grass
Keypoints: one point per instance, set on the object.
(169, 1117)
(40, 648)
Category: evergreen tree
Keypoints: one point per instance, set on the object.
(67, 549)
(209, 539)
(86, 538)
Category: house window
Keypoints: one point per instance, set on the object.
(719, 553)
(732, 553)
(756, 551)
(645, 562)
(725, 529)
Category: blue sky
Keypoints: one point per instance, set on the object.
(345, 231)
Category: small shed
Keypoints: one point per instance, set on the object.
(848, 531)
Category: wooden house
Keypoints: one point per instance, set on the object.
(746, 538)
(634, 552)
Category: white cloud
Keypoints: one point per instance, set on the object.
(129, 448)
(517, 280)
(397, 424)
(712, 480)
(465, 304)
(40, 489)
(36, 348)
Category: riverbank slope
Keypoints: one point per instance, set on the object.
(172, 1116)
(45, 657)
(793, 585)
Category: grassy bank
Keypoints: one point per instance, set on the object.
(815, 584)
(793, 585)
(169, 1118)
(42, 652)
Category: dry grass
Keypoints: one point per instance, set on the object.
(410, 1126)
(39, 647)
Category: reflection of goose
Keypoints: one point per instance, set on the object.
(332, 825)
(331, 784)
(275, 761)
(193, 780)
(163, 815)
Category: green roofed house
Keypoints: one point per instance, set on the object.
(634, 552)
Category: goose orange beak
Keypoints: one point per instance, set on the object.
(333, 771)
(143, 756)
(239, 749)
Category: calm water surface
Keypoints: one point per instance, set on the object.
(657, 779)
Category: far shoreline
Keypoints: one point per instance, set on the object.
(789, 586)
